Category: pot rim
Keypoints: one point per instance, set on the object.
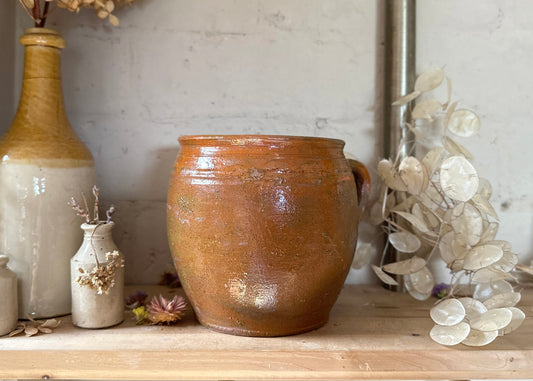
(242, 140)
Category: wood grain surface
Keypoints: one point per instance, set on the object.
(372, 334)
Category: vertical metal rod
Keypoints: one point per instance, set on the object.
(399, 72)
(400, 66)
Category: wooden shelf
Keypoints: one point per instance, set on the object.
(372, 334)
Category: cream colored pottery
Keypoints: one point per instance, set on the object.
(8, 298)
(89, 309)
(43, 164)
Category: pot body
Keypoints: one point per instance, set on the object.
(43, 164)
(263, 230)
(8, 298)
(90, 309)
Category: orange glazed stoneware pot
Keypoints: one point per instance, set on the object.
(263, 229)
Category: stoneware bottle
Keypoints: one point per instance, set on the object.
(90, 309)
(263, 229)
(8, 297)
(42, 165)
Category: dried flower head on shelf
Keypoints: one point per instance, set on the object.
(159, 311)
(39, 10)
(438, 205)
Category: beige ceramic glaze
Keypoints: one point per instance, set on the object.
(90, 310)
(8, 297)
(43, 164)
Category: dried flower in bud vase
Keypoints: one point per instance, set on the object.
(101, 278)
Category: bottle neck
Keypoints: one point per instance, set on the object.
(42, 62)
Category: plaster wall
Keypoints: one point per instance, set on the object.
(299, 67)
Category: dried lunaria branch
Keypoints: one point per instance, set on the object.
(439, 204)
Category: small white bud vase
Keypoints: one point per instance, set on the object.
(8, 298)
(99, 304)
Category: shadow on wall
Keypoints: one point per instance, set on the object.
(141, 225)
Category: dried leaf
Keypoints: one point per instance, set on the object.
(415, 221)
(385, 278)
(432, 198)
(102, 13)
(420, 284)
(516, 321)
(492, 320)
(405, 205)
(448, 312)
(432, 158)
(109, 6)
(478, 339)
(446, 247)
(408, 266)
(414, 175)
(450, 335)
(489, 233)
(16, 331)
(406, 98)
(490, 274)
(467, 224)
(474, 308)
(30, 331)
(484, 188)
(484, 205)
(485, 291)
(426, 109)
(29, 3)
(449, 113)
(482, 256)
(458, 178)
(455, 148)
(362, 255)
(464, 123)
(508, 261)
(404, 242)
(51, 323)
(390, 176)
(507, 299)
(429, 80)
(113, 20)
(44, 329)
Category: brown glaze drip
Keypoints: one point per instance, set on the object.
(40, 132)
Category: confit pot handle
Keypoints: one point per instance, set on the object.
(362, 181)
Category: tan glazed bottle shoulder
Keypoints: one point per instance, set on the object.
(40, 132)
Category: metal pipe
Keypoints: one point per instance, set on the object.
(400, 66)
(399, 76)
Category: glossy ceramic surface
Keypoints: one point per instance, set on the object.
(42, 164)
(90, 310)
(8, 297)
(263, 229)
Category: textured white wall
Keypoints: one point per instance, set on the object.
(301, 67)
(487, 50)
